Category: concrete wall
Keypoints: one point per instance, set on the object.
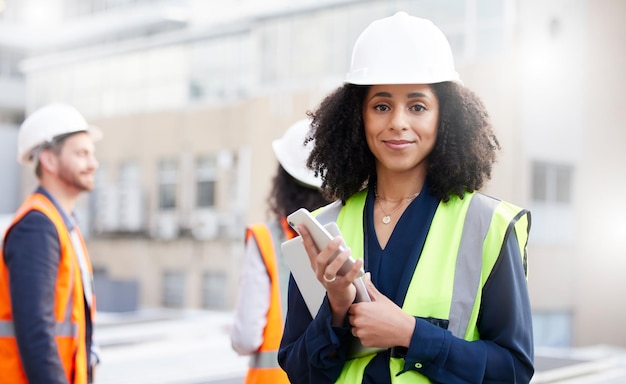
(601, 253)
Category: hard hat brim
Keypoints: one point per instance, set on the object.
(94, 132)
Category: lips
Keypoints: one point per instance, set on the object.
(397, 144)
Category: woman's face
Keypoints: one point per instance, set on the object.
(401, 125)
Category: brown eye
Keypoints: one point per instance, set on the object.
(381, 107)
(418, 108)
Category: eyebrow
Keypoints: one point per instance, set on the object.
(417, 94)
(411, 95)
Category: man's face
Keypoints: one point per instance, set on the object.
(77, 162)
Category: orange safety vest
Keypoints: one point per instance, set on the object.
(69, 304)
(264, 366)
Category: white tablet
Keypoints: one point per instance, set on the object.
(311, 289)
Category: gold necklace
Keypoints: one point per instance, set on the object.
(387, 216)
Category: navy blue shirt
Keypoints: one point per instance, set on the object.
(32, 254)
(310, 350)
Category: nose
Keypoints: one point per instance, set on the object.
(399, 120)
(93, 162)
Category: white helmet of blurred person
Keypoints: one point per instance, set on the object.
(46, 125)
(292, 154)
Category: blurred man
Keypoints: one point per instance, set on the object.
(47, 302)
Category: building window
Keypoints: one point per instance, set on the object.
(173, 289)
(129, 173)
(130, 199)
(206, 176)
(168, 182)
(552, 328)
(552, 203)
(221, 68)
(213, 292)
(552, 183)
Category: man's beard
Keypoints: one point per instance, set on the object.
(73, 179)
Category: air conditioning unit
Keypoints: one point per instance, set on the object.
(166, 226)
(231, 226)
(204, 225)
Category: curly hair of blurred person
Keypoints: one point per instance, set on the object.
(461, 161)
(288, 195)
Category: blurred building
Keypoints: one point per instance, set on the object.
(190, 95)
(12, 103)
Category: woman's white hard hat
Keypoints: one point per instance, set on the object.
(401, 49)
(47, 123)
(292, 154)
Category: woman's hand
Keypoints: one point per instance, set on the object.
(380, 323)
(339, 289)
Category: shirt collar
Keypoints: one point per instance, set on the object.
(69, 220)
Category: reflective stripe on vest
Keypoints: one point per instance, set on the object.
(63, 328)
(264, 366)
(85, 271)
(469, 262)
(462, 254)
(264, 360)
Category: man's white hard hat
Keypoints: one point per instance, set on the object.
(47, 123)
(401, 49)
(292, 154)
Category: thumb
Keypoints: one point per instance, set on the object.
(371, 289)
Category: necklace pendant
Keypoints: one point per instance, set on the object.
(386, 219)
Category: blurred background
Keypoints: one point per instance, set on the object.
(190, 94)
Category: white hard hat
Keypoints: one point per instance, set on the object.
(292, 154)
(47, 123)
(401, 49)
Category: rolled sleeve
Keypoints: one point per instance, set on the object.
(253, 302)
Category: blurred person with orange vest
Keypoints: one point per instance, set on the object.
(261, 305)
(47, 302)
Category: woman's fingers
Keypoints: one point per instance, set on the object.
(325, 262)
(309, 245)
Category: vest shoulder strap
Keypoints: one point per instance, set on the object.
(272, 333)
(263, 239)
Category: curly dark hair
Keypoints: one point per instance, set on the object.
(460, 162)
(288, 195)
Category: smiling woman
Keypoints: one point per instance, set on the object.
(400, 128)
(405, 147)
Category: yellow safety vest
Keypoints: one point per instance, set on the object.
(452, 269)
